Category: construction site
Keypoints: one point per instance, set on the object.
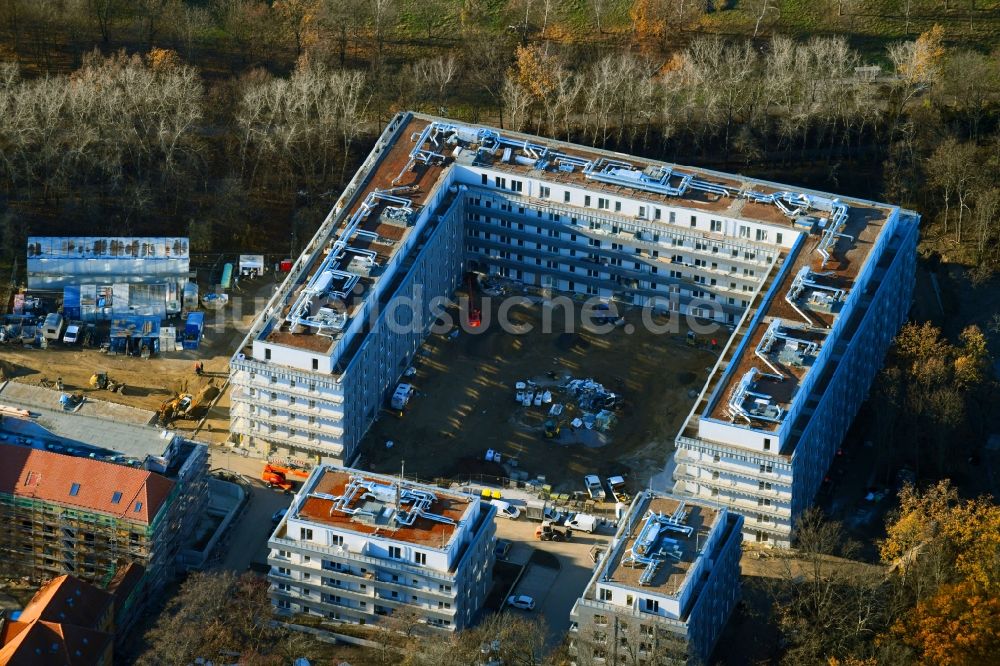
(466, 405)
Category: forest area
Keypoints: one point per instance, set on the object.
(238, 122)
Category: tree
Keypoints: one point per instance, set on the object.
(213, 613)
(958, 626)
(107, 14)
(344, 18)
(827, 604)
(296, 17)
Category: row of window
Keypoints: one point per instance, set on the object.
(645, 212)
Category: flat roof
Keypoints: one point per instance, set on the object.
(375, 512)
(105, 426)
(680, 550)
(379, 236)
(811, 307)
(425, 147)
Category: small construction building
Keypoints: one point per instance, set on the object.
(663, 591)
(358, 547)
(100, 277)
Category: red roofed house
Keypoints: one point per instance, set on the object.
(91, 518)
(67, 622)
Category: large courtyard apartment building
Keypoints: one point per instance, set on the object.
(813, 287)
(664, 589)
(357, 547)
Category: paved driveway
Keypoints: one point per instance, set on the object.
(554, 590)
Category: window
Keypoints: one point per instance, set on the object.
(485, 179)
(642, 212)
(694, 220)
(767, 469)
(716, 225)
(516, 185)
(767, 443)
(618, 206)
(306, 534)
(777, 239)
(395, 552)
(566, 196)
(606, 594)
(656, 213)
(544, 192)
(761, 234)
(267, 354)
(138, 507)
(744, 232)
(420, 558)
(74, 490)
(651, 605)
(116, 498)
(315, 364)
(601, 620)
(586, 200)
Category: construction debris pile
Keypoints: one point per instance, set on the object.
(587, 401)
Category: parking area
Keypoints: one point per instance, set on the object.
(555, 574)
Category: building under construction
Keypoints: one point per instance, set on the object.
(90, 515)
(811, 286)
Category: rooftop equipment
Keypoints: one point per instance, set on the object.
(652, 548)
(772, 335)
(330, 282)
(805, 278)
(761, 408)
(366, 500)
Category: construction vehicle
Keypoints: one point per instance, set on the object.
(617, 485)
(100, 380)
(276, 476)
(552, 428)
(174, 408)
(540, 510)
(546, 532)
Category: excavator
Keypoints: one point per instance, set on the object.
(276, 476)
(174, 408)
(100, 380)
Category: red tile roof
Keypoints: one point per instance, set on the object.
(49, 643)
(67, 599)
(92, 485)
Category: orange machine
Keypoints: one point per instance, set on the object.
(275, 475)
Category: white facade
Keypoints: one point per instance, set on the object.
(715, 246)
(342, 571)
(674, 616)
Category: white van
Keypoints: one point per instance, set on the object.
(583, 522)
(506, 509)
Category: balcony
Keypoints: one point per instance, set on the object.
(346, 556)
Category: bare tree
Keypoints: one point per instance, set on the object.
(107, 15)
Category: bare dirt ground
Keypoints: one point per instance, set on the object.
(149, 382)
(465, 402)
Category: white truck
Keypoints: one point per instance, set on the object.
(53, 327)
(583, 522)
(594, 487)
(401, 396)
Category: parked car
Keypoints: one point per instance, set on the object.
(72, 335)
(617, 485)
(502, 548)
(594, 487)
(521, 601)
(278, 516)
(506, 509)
